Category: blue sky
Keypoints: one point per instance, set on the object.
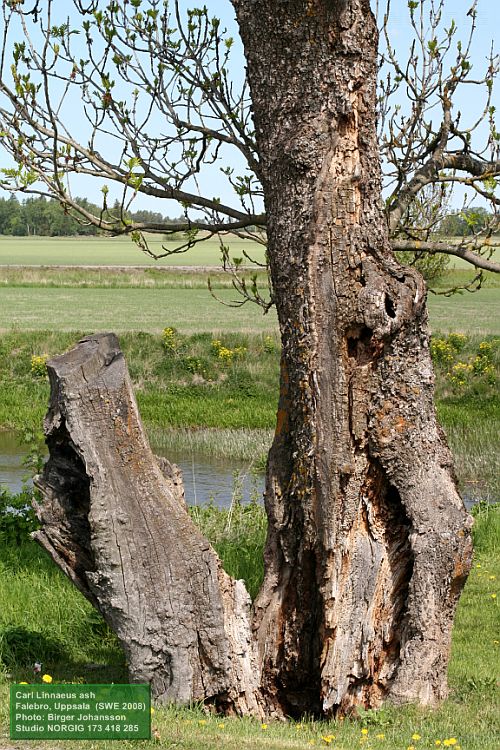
(213, 183)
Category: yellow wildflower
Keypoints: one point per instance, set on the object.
(380, 736)
(47, 678)
(263, 726)
(364, 731)
(221, 725)
(415, 736)
(202, 722)
(493, 596)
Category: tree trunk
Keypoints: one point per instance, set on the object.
(369, 543)
(118, 527)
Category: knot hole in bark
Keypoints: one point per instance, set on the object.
(361, 346)
(389, 306)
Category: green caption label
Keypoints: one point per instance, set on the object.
(83, 712)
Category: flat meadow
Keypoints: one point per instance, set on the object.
(109, 284)
(192, 394)
(115, 251)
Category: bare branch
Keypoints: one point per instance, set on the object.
(460, 251)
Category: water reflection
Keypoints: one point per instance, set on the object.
(205, 479)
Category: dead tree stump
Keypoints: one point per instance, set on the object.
(116, 523)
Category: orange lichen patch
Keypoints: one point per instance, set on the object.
(400, 424)
(462, 566)
(281, 421)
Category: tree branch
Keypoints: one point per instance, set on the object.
(459, 251)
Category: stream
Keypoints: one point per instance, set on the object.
(205, 478)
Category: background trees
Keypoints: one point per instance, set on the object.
(44, 217)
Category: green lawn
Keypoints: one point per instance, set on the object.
(191, 310)
(125, 309)
(114, 251)
(42, 616)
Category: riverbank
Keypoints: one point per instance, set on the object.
(218, 396)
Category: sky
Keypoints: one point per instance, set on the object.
(212, 182)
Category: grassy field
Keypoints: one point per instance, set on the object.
(90, 310)
(192, 309)
(123, 252)
(43, 617)
(129, 299)
(115, 251)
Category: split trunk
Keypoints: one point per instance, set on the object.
(369, 543)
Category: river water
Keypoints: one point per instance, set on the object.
(205, 479)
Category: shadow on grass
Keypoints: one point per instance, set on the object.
(21, 648)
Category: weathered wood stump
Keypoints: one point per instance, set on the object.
(117, 525)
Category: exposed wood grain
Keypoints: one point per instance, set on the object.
(116, 523)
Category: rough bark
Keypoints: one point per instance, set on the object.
(369, 542)
(115, 521)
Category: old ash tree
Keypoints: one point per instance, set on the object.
(369, 544)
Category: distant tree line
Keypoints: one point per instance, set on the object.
(46, 217)
(465, 223)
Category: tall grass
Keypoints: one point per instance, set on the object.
(42, 617)
(250, 445)
(120, 278)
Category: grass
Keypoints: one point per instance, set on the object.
(188, 399)
(114, 251)
(460, 273)
(128, 309)
(149, 300)
(43, 617)
(477, 313)
(159, 277)
(121, 251)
